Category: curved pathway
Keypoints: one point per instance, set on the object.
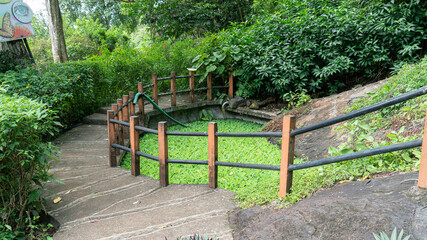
(100, 202)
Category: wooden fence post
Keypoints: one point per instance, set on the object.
(126, 114)
(173, 89)
(111, 138)
(131, 105)
(114, 107)
(288, 145)
(230, 84)
(134, 146)
(141, 102)
(422, 175)
(213, 154)
(120, 104)
(155, 88)
(209, 80)
(191, 86)
(163, 155)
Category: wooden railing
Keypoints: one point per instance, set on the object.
(288, 134)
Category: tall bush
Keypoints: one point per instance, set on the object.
(67, 89)
(320, 46)
(23, 161)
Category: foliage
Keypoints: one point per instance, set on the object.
(297, 98)
(23, 162)
(173, 19)
(320, 46)
(124, 67)
(86, 36)
(389, 121)
(206, 115)
(251, 186)
(67, 89)
(77, 88)
(394, 236)
(11, 61)
(107, 12)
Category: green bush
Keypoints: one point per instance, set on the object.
(86, 36)
(77, 88)
(23, 161)
(320, 46)
(67, 89)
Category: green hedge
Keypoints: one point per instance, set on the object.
(67, 89)
(77, 88)
(23, 161)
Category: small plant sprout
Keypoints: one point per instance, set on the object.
(394, 236)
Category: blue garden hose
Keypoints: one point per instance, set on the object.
(138, 95)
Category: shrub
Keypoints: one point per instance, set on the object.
(320, 46)
(11, 61)
(23, 161)
(67, 89)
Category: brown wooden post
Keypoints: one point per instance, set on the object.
(422, 175)
(120, 104)
(131, 105)
(213, 154)
(114, 107)
(134, 146)
(191, 86)
(173, 89)
(126, 115)
(141, 102)
(230, 84)
(288, 145)
(111, 139)
(155, 88)
(163, 155)
(209, 80)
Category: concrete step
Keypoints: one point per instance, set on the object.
(96, 119)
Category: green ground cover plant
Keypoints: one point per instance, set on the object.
(394, 124)
(253, 187)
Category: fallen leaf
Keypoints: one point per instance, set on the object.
(363, 179)
(57, 200)
(344, 181)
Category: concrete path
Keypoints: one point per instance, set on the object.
(100, 202)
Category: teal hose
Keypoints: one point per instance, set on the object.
(137, 96)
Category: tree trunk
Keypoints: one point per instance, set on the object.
(56, 31)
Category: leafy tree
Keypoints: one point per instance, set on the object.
(108, 12)
(172, 19)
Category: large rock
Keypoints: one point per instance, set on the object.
(351, 210)
(315, 144)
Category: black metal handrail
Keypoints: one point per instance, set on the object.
(360, 154)
(389, 102)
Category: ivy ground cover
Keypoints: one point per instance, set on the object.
(252, 187)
